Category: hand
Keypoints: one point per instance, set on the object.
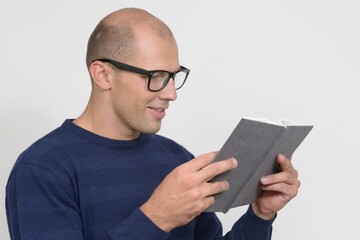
(278, 188)
(186, 192)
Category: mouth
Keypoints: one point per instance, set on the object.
(158, 113)
(158, 109)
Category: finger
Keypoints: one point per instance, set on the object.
(288, 173)
(217, 187)
(284, 163)
(201, 161)
(286, 190)
(217, 168)
(289, 176)
(208, 201)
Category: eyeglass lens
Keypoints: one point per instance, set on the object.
(159, 80)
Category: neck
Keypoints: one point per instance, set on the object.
(102, 123)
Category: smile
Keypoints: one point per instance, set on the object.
(158, 113)
(158, 109)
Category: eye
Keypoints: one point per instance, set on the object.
(159, 76)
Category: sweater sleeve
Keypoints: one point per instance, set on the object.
(40, 206)
(138, 227)
(251, 227)
(248, 227)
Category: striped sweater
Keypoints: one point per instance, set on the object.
(73, 184)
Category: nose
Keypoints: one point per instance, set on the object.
(168, 92)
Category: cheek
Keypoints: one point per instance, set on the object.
(125, 103)
(122, 93)
(128, 103)
(130, 97)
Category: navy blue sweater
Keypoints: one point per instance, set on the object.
(73, 184)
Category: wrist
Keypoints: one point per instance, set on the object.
(262, 213)
(159, 220)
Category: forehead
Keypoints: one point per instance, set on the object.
(155, 51)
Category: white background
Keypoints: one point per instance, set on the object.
(298, 60)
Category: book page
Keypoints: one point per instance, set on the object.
(264, 120)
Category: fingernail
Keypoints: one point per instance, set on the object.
(282, 156)
(227, 185)
(235, 162)
(264, 179)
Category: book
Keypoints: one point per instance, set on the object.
(255, 144)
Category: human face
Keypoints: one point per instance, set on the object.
(136, 109)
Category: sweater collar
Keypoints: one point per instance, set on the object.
(70, 126)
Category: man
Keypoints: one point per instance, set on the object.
(107, 175)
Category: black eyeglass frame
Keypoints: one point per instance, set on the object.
(149, 74)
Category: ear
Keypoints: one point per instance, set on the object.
(101, 74)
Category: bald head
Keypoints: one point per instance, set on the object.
(115, 36)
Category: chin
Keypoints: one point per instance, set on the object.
(151, 129)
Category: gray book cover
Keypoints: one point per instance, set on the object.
(255, 145)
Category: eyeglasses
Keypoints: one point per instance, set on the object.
(157, 79)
